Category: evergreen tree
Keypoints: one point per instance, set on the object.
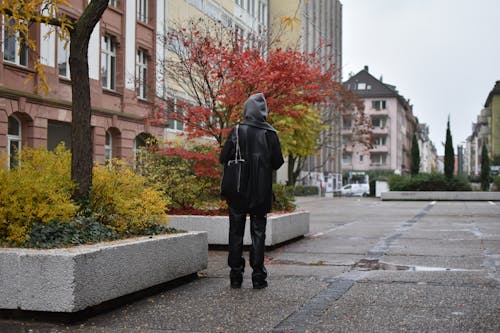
(415, 156)
(449, 154)
(485, 169)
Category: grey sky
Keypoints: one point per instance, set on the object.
(443, 55)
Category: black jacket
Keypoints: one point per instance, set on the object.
(260, 147)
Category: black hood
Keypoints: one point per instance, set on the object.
(255, 112)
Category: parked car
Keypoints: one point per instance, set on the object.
(350, 190)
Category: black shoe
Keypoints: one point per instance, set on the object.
(236, 280)
(259, 284)
(236, 284)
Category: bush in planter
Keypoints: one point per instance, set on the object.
(38, 189)
(283, 198)
(121, 199)
(36, 205)
(428, 182)
(189, 177)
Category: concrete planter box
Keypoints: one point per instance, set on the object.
(280, 227)
(441, 196)
(72, 279)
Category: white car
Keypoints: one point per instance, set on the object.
(361, 190)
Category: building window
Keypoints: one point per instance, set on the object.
(361, 158)
(378, 159)
(142, 10)
(251, 7)
(173, 112)
(63, 58)
(12, 50)
(13, 141)
(108, 62)
(380, 141)
(108, 147)
(141, 73)
(346, 123)
(379, 105)
(347, 159)
(261, 12)
(361, 86)
(113, 3)
(378, 122)
(58, 132)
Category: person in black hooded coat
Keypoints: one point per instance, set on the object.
(260, 147)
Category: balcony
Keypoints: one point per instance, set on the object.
(380, 149)
(380, 130)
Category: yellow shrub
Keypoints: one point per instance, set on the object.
(38, 189)
(121, 199)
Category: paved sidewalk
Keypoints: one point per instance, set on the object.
(366, 266)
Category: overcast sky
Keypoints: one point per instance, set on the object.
(443, 55)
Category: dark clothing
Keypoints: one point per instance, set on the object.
(258, 233)
(261, 149)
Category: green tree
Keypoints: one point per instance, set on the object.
(21, 15)
(495, 160)
(415, 156)
(449, 154)
(485, 169)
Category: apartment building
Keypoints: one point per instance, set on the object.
(428, 152)
(125, 79)
(393, 127)
(486, 130)
(317, 29)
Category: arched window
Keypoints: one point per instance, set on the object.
(14, 141)
(108, 146)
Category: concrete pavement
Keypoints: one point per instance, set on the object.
(366, 266)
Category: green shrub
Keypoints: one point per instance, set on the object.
(38, 190)
(184, 178)
(428, 182)
(283, 198)
(496, 183)
(300, 190)
(82, 230)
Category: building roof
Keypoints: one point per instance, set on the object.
(495, 91)
(367, 86)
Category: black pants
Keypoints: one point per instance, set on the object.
(258, 233)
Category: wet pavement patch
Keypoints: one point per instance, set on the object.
(376, 264)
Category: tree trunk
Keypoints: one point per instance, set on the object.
(81, 131)
(291, 165)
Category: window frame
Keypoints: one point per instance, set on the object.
(65, 51)
(20, 57)
(142, 11)
(141, 73)
(108, 146)
(14, 138)
(173, 102)
(108, 52)
(378, 159)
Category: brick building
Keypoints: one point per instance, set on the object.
(125, 81)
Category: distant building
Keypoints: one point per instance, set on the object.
(428, 152)
(393, 127)
(318, 29)
(486, 130)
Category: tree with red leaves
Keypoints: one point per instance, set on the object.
(216, 71)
